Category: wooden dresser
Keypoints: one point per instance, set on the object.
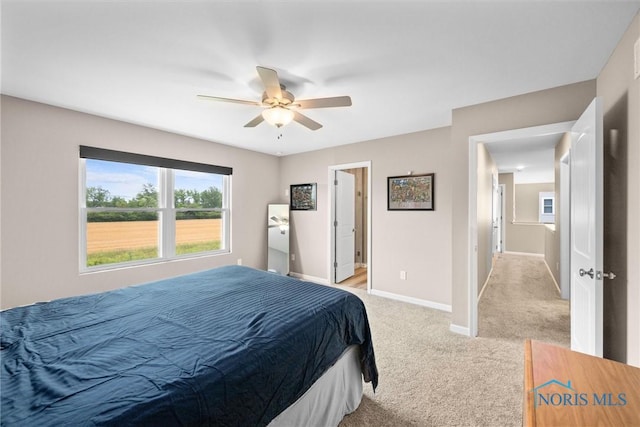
(567, 388)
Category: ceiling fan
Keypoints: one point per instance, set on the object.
(280, 106)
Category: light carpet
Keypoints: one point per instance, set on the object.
(430, 376)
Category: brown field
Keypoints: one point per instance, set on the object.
(106, 236)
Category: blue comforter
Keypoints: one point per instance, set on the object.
(228, 346)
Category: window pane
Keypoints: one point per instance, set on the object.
(114, 237)
(122, 185)
(198, 232)
(197, 190)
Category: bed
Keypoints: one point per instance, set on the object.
(227, 346)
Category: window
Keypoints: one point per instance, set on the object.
(547, 209)
(138, 209)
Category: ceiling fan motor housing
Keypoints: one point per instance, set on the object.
(286, 99)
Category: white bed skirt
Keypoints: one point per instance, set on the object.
(336, 393)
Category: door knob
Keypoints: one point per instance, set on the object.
(582, 272)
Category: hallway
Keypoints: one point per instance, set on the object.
(521, 301)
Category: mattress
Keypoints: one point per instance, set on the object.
(227, 346)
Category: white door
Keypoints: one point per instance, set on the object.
(344, 225)
(586, 231)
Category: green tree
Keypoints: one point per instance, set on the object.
(180, 198)
(211, 198)
(147, 198)
(98, 197)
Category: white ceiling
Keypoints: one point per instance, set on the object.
(405, 64)
(530, 158)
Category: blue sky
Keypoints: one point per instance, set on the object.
(126, 180)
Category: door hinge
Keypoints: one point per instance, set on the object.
(335, 223)
(335, 265)
(335, 182)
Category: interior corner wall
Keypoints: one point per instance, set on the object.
(40, 187)
(417, 242)
(564, 103)
(620, 93)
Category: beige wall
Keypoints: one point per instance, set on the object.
(39, 176)
(620, 93)
(522, 237)
(534, 109)
(508, 181)
(527, 201)
(551, 252)
(525, 238)
(525, 234)
(552, 255)
(416, 242)
(486, 171)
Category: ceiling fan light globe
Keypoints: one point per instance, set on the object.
(277, 116)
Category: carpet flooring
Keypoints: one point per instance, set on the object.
(430, 376)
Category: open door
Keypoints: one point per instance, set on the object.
(344, 226)
(586, 231)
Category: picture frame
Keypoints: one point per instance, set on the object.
(411, 192)
(303, 197)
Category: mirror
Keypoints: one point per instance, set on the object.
(278, 239)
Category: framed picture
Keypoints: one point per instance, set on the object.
(411, 192)
(303, 197)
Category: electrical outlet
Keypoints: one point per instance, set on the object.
(293, 257)
(403, 275)
(239, 261)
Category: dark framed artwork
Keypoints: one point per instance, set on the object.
(411, 192)
(303, 197)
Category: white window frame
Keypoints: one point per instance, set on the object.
(543, 217)
(166, 221)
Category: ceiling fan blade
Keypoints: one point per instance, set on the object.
(337, 101)
(306, 121)
(235, 101)
(255, 122)
(270, 81)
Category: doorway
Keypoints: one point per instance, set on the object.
(361, 252)
(474, 249)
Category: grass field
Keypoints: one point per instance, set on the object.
(111, 242)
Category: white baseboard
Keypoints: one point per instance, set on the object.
(524, 253)
(462, 330)
(486, 282)
(411, 300)
(552, 277)
(308, 278)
